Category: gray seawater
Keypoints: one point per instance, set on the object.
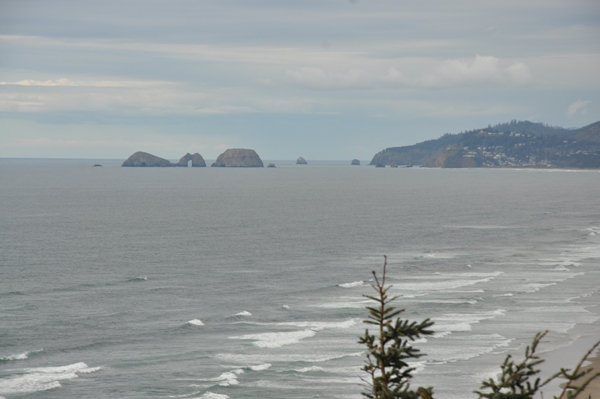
(247, 283)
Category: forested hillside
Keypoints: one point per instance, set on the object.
(513, 144)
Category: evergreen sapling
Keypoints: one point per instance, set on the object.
(389, 351)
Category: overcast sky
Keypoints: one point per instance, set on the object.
(324, 79)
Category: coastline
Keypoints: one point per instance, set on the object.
(593, 388)
(569, 356)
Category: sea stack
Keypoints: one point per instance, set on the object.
(301, 161)
(238, 158)
(143, 159)
(355, 162)
(197, 160)
(271, 165)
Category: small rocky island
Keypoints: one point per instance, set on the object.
(355, 162)
(271, 165)
(143, 159)
(301, 161)
(238, 158)
(197, 160)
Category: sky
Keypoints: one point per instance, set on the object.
(321, 79)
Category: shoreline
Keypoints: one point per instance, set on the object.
(568, 357)
(593, 388)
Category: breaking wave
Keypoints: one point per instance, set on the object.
(243, 313)
(19, 356)
(352, 284)
(277, 339)
(43, 378)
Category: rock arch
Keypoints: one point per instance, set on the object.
(197, 160)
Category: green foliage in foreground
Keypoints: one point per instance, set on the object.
(388, 353)
(389, 350)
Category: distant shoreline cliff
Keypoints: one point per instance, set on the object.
(515, 144)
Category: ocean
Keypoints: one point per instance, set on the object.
(220, 283)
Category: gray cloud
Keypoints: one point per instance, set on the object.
(482, 71)
(249, 71)
(576, 107)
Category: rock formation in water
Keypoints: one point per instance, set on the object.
(142, 159)
(355, 162)
(197, 160)
(238, 158)
(271, 165)
(301, 161)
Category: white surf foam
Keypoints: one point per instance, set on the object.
(454, 322)
(483, 227)
(444, 301)
(211, 395)
(557, 309)
(319, 325)
(284, 357)
(277, 339)
(439, 285)
(260, 367)
(336, 380)
(590, 293)
(467, 347)
(195, 322)
(492, 274)
(228, 378)
(19, 356)
(309, 369)
(564, 318)
(587, 252)
(270, 384)
(440, 256)
(418, 366)
(352, 284)
(563, 261)
(244, 313)
(463, 292)
(344, 305)
(535, 287)
(43, 378)
(187, 395)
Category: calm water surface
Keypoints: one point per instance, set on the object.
(222, 283)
